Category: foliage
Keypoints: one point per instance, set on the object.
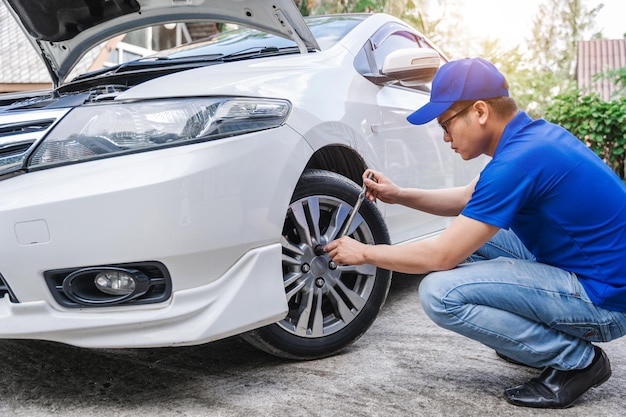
(557, 28)
(599, 124)
(558, 25)
(311, 7)
(441, 21)
(619, 77)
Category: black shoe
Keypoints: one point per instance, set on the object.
(559, 389)
(513, 361)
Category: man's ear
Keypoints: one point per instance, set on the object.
(483, 111)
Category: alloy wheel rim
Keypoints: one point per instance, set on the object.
(323, 298)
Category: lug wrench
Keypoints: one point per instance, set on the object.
(319, 249)
(354, 210)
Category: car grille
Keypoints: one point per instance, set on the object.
(20, 132)
(28, 126)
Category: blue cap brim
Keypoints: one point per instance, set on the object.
(428, 112)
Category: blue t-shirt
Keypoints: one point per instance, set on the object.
(562, 201)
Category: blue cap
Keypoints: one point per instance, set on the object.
(461, 80)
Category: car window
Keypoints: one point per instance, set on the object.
(327, 30)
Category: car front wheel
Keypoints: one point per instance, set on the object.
(330, 306)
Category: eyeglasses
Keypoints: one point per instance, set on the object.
(444, 125)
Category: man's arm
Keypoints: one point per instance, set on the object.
(444, 252)
(441, 202)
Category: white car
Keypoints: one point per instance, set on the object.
(183, 198)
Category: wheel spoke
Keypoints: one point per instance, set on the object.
(341, 308)
(355, 299)
(365, 269)
(290, 247)
(290, 260)
(290, 278)
(355, 224)
(306, 217)
(313, 205)
(311, 319)
(295, 290)
(318, 319)
(302, 325)
(339, 217)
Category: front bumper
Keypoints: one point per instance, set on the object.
(240, 300)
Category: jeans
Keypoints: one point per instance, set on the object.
(534, 313)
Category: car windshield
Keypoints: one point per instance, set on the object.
(328, 30)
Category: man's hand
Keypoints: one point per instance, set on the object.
(346, 251)
(380, 187)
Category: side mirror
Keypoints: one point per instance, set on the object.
(412, 66)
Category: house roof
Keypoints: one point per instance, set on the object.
(22, 69)
(598, 56)
(19, 63)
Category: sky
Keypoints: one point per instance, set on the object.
(511, 21)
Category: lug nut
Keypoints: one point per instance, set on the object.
(305, 268)
(320, 282)
(332, 265)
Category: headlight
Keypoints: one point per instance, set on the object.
(101, 130)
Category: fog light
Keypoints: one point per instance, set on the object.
(115, 282)
(105, 285)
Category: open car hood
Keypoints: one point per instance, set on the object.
(63, 31)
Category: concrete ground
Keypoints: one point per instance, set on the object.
(404, 366)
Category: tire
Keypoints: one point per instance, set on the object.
(330, 306)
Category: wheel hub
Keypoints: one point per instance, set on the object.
(319, 266)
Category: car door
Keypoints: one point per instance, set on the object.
(411, 156)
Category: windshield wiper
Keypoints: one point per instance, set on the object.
(243, 54)
(150, 62)
(261, 52)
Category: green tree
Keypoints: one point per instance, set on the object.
(441, 21)
(396, 7)
(318, 7)
(415, 13)
(557, 28)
